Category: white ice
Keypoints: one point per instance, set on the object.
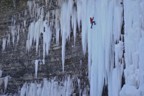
(48, 88)
(134, 77)
(46, 38)
(4, 44)
(1, 73)
(99, 40)
(36, 67)
(102, 43)
(65, 26)
(6, 78)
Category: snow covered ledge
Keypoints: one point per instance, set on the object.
(134, 48)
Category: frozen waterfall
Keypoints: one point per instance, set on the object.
(111, 53)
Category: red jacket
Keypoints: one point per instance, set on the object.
(91, 19)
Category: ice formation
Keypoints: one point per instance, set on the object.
(38, 28)
(103, 43)
(6, 82)
(36, 67)
(4, 44)
(134, 49)
(100, 40)
(48, 88)
(1, 73)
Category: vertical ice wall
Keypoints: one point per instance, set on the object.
(101, 45)
(134, 48)
(100, 40)
(103, 42)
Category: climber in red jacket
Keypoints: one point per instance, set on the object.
(92, 21)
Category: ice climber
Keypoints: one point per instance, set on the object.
(92, 21)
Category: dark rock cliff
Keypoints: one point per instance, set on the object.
(19, 64)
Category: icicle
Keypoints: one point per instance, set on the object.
(79, 12)
(24, 23)
(46, 38)
(84, 27)
(18, 31)
(1, 73)
(36, 68)
(38, 29)
(30, 37)
(68, 17)
(74, 24)
(3, 44)
(6, 82)
(63, 32)
(8, 39)
(65, 26)
(35, 30)
(63, 51)
(79, 86)
(13, 33)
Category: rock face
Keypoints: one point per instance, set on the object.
(19, 64)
